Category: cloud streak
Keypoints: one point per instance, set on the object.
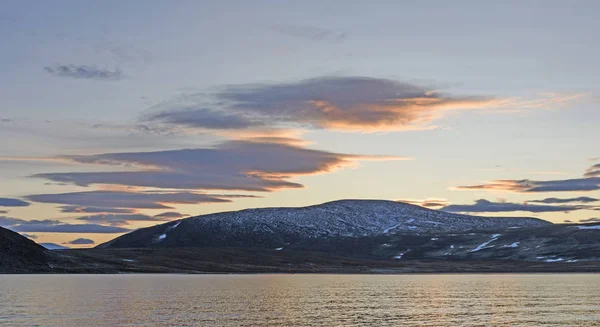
(593, 171)
(55, 226)
(588, 183)
(133, 200)
(533, 186)
(582, 199)
(85, 72)
(341, 103)
(428, 203)
(8, 202)
(80, 209)
(120, 220)
(234, 165)
(347, 103)
(483, 205)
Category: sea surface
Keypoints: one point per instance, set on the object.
(300, 300)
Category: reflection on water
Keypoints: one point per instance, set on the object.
(300, 300)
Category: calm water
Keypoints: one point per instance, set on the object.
(300, 300)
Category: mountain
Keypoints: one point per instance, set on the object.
(19, 254)
(54, 246)
(288, 227)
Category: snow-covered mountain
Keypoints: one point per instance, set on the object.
(279, 227)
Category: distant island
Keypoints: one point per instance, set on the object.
(348, 236)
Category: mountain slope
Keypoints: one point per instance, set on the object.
(19, 254)
(279, 227)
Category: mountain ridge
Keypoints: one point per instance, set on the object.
(281, 226)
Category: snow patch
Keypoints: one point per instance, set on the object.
(555, 260)
(278, 249)
(484, 245)
(385, 231)
(162, 236)
(514, 245)
(434, 238)
(452, 246)
(400, 255)
(129, 260)
(410, 220)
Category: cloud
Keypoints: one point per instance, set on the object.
(119, 220)
(206, 118)
(119, 199)
(532, 186)
(29, 236)
(483, 205)
(79, 209)
(81, 241)
(309, 32)
(590, 220)
(348, 103)
(428, 203)
(593, 171)
(8, 202)
(587, 183)
(85, 72)
(55, 226)
(342, 103)
(171, 215)
(9, 221)
(582, 199)
(234, 165)
(69, 228)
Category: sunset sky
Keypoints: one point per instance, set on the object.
(116, 115)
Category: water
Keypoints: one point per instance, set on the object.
(300, 300)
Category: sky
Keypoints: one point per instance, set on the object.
(117, 115)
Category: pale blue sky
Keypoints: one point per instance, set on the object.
(538, 59)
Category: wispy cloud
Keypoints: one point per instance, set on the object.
(29, 236)
(348, 103)
(8, 202)
(532, 186)
(85, 72)
(590, 220)
(483, 205)
(428, 203)
(80, 209)
(116, 199)
(171, 215)
(234, 165)
(587, 183)
(120, 220)
(593, 171)
(581, 199)
(56, 226)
